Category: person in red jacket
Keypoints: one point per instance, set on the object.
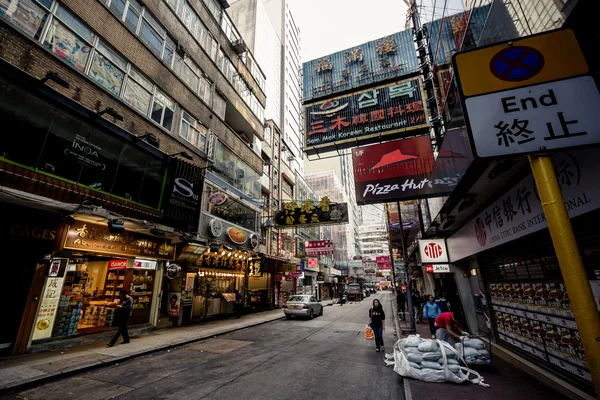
(448, 327)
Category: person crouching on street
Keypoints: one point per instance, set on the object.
(448, 327)
(377, 323)
(430, 311)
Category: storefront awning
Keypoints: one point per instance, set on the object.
(275, 258)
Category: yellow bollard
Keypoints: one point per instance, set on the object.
(571, 265)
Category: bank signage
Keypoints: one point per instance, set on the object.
(519, 211)
(184, 194)
(96, 238)
(388, 111)
(437, 268)
(433, 251)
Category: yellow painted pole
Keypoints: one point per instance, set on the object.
(571, 265)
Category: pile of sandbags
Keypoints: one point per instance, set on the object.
(473, 351)
(429, 360)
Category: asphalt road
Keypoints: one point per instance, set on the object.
(323, 358)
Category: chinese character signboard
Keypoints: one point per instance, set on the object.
(50, 299)
(519, 212)
(318, 247)
(529, 95)
(384, 263)
(312, 213)
(389, 111)
(376, 61)
(96, 238)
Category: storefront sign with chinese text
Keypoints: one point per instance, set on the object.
(312, 213)
(383, 263)
(318, 247)
(519, 211)
(96, 238)
(254, 268)
(530, 95)
(389, 111)
(49, 303)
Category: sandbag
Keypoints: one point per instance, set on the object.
(454, 367)
(414, 365)
(465, 352)
(409, 350)
(473, 343)
(451, 361)
(415, 357)
(431, 364)
(428, 346)
(413, 341)
(483, 352)
(432, 356)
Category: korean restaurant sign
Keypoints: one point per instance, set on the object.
(96, 238)
(307, 213)
(376, 61)
(389, 111)
(530, 95)
(519, 212)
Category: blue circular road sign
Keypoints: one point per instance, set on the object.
(517, 63)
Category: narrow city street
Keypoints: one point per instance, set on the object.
(323, 358)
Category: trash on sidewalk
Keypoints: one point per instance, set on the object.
(430, 360)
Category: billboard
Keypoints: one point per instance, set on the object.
(383, 263)
(381, 113)
(375, 61)
(308, 213)
(318, 247)
(405, 169)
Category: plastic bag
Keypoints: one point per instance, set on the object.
(369, 333)
(404, 368)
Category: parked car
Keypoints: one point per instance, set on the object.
(302, 305)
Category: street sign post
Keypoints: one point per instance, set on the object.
(532, 96)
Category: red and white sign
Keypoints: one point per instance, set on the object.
(318, 247)
(117, 264)
(437, 268)
(433, 251)
(144, 264)
(312, 265)
(383, 263)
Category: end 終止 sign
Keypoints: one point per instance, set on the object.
(529, 95)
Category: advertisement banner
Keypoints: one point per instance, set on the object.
(50, 300)
(369, 116)
(383, 263)
(405, 169)
(519, 211)
(184, 193)
(312, 265)
(311, 213)
(368, 63)
(318, 247)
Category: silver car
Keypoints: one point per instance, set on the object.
(302, 305)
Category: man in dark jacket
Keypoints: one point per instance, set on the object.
(122, 314)
(401, 300)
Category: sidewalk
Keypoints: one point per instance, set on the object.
(33, 368)
(506, 382)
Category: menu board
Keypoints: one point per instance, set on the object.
(537, 318)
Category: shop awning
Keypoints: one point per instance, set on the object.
(275, 258)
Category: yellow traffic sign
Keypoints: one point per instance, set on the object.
(535, 59)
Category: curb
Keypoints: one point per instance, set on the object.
(98, 364)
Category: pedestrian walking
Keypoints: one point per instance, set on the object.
(441, 301)
(377, 323)
(122, 314)
(430, 311)
(416, 300)
(401, 300)
(448, 327)
(238, 303)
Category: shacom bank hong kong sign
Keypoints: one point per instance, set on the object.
(405, 169)
(519, 211)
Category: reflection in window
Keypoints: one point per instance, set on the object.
(219, 106)
(26, 15)
(192, 131)
(67, 46)
(136, 96)
(163, 109)
(232, 169)
(233, 211)
(106, 74)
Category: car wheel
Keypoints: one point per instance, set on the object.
(321, 313)
(288, 317)
(312, 314)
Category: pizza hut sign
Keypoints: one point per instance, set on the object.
(433, 251)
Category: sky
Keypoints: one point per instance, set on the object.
(328, 26)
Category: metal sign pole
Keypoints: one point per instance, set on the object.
(411, 309)
(581, 297)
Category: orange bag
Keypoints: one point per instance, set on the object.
(369, 333)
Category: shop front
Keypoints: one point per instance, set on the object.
(284, 272)
(82, 284)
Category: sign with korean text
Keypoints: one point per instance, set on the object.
(433, 251)
(437, 268)
(391, 111)
(379, 60)
(318, 247)
(311, 213)
(519, 212)
(96, 238)
(529, 95)
(49, 301)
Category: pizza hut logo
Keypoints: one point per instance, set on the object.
(433, 250)
(480, 232)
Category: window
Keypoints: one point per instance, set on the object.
(138, 92)
(108, 69)
(69, 39)
(163, 109)
(132, 18)
(192, 131)
(205, 91)
(287, 187)
(235, 171)
(151, 37)
(215, 8)
(268, 135)
(219, 106)
(232, 210)
(27, 15)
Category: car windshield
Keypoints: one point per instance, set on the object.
(299, 299)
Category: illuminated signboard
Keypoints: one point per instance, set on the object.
(312, 213)
(386, 112)
(368, 63)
